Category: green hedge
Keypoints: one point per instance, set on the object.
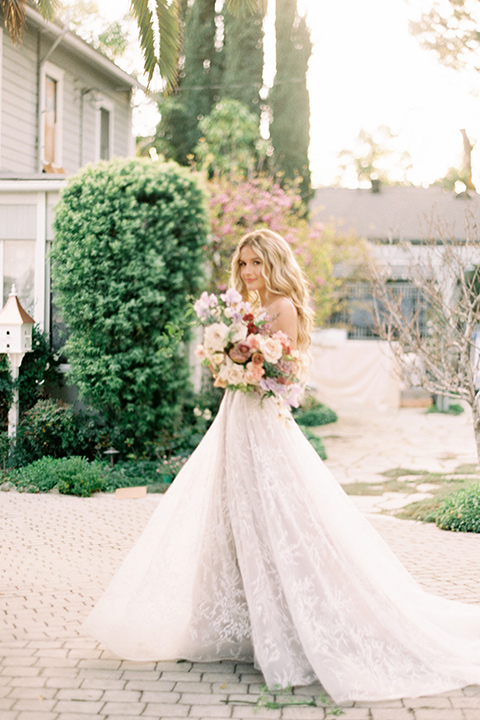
(315, 441)
(52, 428)
(127, 257)
(71, 476)
(313, 413)
(37, 371)
(460, 511)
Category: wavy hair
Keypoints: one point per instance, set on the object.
(282, 276)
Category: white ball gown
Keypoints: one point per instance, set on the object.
(256, 553)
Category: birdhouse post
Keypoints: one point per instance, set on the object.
(15, 340)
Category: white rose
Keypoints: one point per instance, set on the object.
(238, 332)
(235, 374)
(215, 337)
(217, 358)
(271, 349)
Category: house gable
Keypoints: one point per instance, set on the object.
(395, 213)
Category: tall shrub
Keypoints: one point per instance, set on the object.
(126, 257)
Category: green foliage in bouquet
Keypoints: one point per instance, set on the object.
(71, 476)
(130, 240)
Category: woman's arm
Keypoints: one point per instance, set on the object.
(285, 318)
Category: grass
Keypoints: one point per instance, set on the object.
(406, 481)
(453, 409)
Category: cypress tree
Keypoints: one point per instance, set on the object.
(197, 88)
(243, 49)
(289, 100)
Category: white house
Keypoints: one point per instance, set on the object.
(361, 371)
(62, 104)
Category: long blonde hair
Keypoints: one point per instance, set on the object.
(282, 276)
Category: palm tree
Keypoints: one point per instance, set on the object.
(163, 24)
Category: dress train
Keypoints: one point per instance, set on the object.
(256, 554)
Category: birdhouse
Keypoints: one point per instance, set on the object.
(15, 327)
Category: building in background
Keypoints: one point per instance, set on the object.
(62, 104)
(353, 367)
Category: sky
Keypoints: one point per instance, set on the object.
(366, 70)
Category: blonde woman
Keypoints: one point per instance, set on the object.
(256, 554)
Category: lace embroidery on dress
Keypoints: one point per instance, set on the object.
(256, 554)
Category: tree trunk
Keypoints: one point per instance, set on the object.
(476, 424)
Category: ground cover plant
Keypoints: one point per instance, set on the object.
(71, 476)
(454, 502)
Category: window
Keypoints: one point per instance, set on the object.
(51, 115)
(104, 134)
(51, 100)
(357, 308)
(1, 58)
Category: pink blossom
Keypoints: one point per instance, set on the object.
(200, 352)
(253, 341)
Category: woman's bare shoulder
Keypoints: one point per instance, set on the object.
(282, 306)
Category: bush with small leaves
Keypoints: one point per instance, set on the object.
(52, 428)
(128, 473)
(127, 258)
(72, 476)
(460, 511)
(37, 371)
(313, 413)
(315, 441)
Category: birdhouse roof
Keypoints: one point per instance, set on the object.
(14, 314)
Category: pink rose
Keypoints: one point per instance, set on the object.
(253, 341)
(240, 352)
(285, 340)
(200, 352)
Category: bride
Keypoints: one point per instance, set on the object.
(256, 553)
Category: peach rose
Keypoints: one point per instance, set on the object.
(253, 373)
(257, 359)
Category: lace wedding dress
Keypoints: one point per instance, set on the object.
(256, 554)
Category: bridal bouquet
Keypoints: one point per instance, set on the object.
(241, 351)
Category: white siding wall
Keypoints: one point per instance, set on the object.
(83, 84)
(1, 83)
(18, 106)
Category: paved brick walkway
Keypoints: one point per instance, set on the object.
(58, 553)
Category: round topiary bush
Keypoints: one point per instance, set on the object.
(127, 257)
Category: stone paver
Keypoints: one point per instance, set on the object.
(59, 552)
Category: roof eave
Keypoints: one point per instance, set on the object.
(79, 46)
